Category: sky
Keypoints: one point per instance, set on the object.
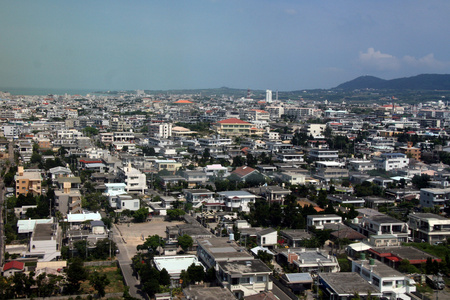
(258, 44)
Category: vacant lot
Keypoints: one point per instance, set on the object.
(115, 278)
(135, 233)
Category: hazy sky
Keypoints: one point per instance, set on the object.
(257, 44)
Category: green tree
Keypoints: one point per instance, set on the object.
(153, 242)
(185, 242)
(164, 277)
(76, 273)
(175, 214)
(141, 215)
(99, 282)
(195, 273)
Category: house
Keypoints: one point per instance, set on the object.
(293, 178)
(126, 201)
(318, 221)
(267, 237)
(361, 165)
(174, 265)
(329, 170)
(208, 293)
(211, 251)
(236, 200)
(168, 165)
(271, 193)
(383, 224)
(195, 178)
(243, 172)
(391, 161)
(113, 190)
(68, 200)
(346, 199)
(333, 287)
(98, 227)
(28, 182)
(45, 242)
(307, 260)
(216, 170)
(429, 227)
(244, 277)
(233, 126)
(198, 196)
(12, 267)
(391, 283)
(434, 196)
(136, 181)
(57, 172)
(295, 237)
(323, 155)
(297, 282)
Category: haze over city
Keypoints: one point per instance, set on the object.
(284, 45)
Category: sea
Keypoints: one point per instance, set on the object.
(47, 91)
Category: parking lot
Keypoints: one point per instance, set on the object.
(134, 234)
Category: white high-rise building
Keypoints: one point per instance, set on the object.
(268, 96)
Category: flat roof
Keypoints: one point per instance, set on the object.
(380, 269)
(175, 264)
(223, 248)
(354, 283)
(244, 267)
(208, 293)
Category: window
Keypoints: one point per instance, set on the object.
(245, 280)
(260, 278)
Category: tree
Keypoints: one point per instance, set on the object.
(140, 215)
(421, 181)
(195, 273)
(153, 242)
(185, 242)
(175, 214)
(99, 282)
(90, 131)
(164, 277)
(76, 273)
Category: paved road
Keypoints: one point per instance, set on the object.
(126, 266)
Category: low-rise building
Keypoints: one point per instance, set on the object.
(383, 224)
(245, 278)
(429, 227)
(28, 182)
(318, 221)
(333, 287)
(434, 196)
(391, 283)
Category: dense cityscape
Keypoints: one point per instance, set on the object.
(234, 195)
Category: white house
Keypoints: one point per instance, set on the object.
(318, 221)
(390, 282)
(239, 200)
(135, 180)
(113, 190)
(391, 161)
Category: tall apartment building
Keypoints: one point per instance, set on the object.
(162, 130)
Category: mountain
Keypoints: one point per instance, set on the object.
(419, 82)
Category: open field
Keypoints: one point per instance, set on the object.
(135, 233)
(112, 272)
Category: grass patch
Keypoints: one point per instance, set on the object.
(115, 277)
(439, 250)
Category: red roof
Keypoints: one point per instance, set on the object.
(90, 161)
(184, 102)
(13, 265)
(243, 171)
(393, 258)
(233, 121)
